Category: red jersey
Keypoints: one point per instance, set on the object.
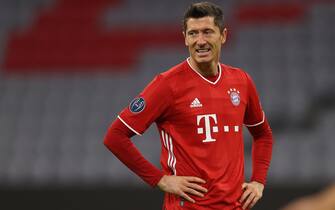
(200, 125)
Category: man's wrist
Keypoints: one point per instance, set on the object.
(258, 180)
(158, 179)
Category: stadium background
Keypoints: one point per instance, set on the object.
(69, 66)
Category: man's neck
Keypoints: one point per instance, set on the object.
(205, 69)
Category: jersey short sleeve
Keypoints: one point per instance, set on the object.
(150, 105)
(254, 114)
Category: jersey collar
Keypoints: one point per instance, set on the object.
(213, 83)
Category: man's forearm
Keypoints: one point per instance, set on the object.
(117, 140)
(261, 151)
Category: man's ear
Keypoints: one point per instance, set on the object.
(185, 38)
(224, 35)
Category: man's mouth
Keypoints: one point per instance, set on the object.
(203, 52)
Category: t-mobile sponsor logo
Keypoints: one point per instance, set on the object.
(212, 127)
(208, 127)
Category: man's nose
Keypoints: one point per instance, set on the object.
(201, 39)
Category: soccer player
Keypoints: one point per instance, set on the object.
(199, 107)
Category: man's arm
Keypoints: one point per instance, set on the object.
(259, 128)
(117, 140)
(261, 151)
(261, 157)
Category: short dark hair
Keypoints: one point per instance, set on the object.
(204, 9)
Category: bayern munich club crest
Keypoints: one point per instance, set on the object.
(234, 96)
(137, 105)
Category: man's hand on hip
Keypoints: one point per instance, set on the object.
(252, 192)
(182, 186)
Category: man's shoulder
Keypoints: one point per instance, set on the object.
(234, 71)
(171, 77)
(174, 72)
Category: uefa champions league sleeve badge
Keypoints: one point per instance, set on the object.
(137, 105)
(234, 96)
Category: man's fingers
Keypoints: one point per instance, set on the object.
(254, 201)
(244, 185)
(193, 192)
(245, 195)
(248, 201)
(196, 187)
(186, 197)
(194, 179)
(184, 186)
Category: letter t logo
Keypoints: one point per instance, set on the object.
(208, 128)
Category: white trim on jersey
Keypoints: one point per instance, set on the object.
(253, 125)
(133, 130)
(162, 132)
(167, 141)
(213, 83)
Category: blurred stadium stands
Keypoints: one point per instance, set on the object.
(69, 66)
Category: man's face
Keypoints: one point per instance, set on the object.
(204, 39)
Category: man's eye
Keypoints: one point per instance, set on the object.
(208, 32)
(191, 33)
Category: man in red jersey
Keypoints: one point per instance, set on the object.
(199, 107)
